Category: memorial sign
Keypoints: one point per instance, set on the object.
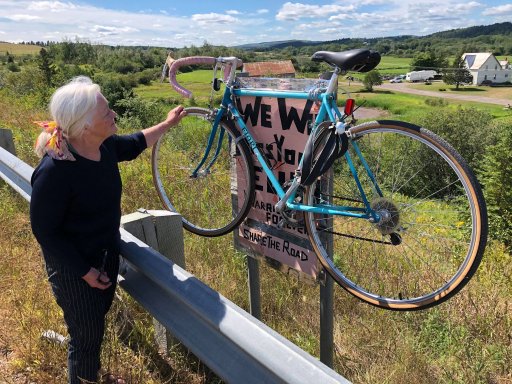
(281, 128)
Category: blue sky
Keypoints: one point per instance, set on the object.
(184, 23)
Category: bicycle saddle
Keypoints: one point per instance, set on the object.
(357, 60)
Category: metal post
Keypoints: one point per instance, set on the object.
(327, 321)
(327, 291)
(253, 274)
(6, 140)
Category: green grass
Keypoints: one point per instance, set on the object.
(465, 340)
(390, 65)
(412, 108)
(198, 82)
(398, 105)
(19, 49)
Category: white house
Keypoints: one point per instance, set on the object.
(485, 67)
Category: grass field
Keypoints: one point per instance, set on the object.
(398, 105)
(394, 65)
(18, 49)
(465, 340)
(198, 82)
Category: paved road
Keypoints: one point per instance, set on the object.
(403, 87)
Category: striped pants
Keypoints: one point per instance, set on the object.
(84, 311)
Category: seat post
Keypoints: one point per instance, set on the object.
(333, 82)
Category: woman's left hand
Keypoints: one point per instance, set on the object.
(175, 115)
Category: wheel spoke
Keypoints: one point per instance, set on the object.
(208, 202)
(425, 235)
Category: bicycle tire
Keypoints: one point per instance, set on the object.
(433, 228)
(217, 199)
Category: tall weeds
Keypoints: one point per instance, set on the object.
(465, 340)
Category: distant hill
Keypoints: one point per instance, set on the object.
(278, 44)
(480, 30)
(498, 29)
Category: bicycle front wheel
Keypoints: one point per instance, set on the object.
(214, 198)
(431, 229)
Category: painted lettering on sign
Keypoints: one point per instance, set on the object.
(263, 240)
(280, 128)
(290, 112)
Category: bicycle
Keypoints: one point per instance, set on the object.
(393, 212)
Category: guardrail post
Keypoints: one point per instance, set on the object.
(327, 306)
(327, 321)
(6, 140)
(253, 280)
(162, 231)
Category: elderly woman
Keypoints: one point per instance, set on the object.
(75, 211)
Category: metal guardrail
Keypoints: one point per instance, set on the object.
(233, 344)
(16, 173)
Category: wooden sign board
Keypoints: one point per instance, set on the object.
(281, 128)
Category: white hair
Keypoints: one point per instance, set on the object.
(72, 107)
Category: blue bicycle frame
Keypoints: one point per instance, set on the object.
(328, 112)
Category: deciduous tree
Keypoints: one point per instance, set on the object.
(428, 60)
(458, 73)
(372, 78)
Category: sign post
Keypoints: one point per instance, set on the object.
(281, 128)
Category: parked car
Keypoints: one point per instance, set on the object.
(395, 80)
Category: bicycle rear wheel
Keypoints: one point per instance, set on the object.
(217, 198)
(432, 230)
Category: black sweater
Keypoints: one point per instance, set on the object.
(75, 209)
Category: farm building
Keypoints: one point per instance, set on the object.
(283, 68)
(485, 68)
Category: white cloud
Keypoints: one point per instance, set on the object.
(97, 25)
(467, 6)
(500, 10)
(440, 8)
(108, 31)
(233, 12)
(22, 17)
(296, 11)
(316, 25)
(329, 31)
(52, 6)
(374, 2)
(262, 11)
(341, 16)
(213, 18)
